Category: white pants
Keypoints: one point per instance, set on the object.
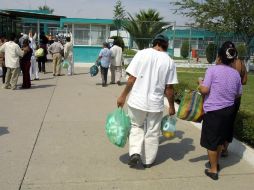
(116, 73)
(71, 65)
(34, 68)
(144, 134)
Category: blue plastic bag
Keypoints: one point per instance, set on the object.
(168, 126)
(118, 127)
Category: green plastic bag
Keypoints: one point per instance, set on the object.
(65, 64)
(118, 127)
(168, 126)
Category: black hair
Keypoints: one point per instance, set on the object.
(12, 36)
(227, 53)
(68, 39)
(161, 43)
(25, 42)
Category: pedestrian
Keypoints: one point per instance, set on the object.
(239, 65)
(152, 74)
(56, 50)
(25, 63)
(34, 64)
(116, 63)
(68, 54)
(42, 59)
(221, 86)
(2, 64)
(12, 56)
(104, 58)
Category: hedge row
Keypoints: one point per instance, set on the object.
(244, 123)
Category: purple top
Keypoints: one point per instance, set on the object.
(224, 85)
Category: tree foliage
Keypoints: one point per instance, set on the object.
(221, 15)
(211, 52)
(119, 15)
(144, 26)
(242, 51)
(46, 8)
(185, 49)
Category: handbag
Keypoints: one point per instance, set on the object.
(39, 52)
(168, 126)
(191, 106)
(65, 64)
(94, 70)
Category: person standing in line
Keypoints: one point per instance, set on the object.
(25, 63)
(221, 86)
(104, 57)
(42, 60)
(152, 74)
(239, 65)
(116, 63)
(12, 56)
(34, 64)
(56, 49)
(68, 54)
(2, 64)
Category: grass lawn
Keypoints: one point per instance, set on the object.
(190, 77)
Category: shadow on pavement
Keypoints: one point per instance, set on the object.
(174, 150)
(4, 130)
(41, 86)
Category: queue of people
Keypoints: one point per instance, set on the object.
(152, 75)
(19, 54)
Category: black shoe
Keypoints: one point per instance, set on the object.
(208, 165)
(148, 165)
(119, 83)
(214, 176)
(36, 79)
(134, 160)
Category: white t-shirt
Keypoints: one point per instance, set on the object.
(153, 70)
(116, 55)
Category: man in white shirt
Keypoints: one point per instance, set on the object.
(152, 74)
(12, 55)
(116, 63)
(68, 54)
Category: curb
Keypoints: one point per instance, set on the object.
(237, 147)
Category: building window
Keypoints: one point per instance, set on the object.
(91, 35)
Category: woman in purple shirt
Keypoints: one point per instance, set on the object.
(221, 86)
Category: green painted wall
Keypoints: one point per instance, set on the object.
(85, 54)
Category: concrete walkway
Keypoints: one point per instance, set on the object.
(52, 137)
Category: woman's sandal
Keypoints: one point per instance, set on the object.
(214, 176)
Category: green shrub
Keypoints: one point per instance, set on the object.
(211, 52)
(242, 51)
(119, 40)
(185, 49)
(244, 127)
(179, 90)
(129, 52)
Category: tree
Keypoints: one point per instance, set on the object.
(185, 49)
(211, 52)
(46, 8)
(235, 16)
(119, 15)
(144, 26)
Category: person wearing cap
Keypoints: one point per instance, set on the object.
(221, 87)
(104, 57)
(56, 49)
(152, 74)
(116, 63)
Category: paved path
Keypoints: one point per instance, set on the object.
(52, 137)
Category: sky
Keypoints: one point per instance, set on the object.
(97, 8)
